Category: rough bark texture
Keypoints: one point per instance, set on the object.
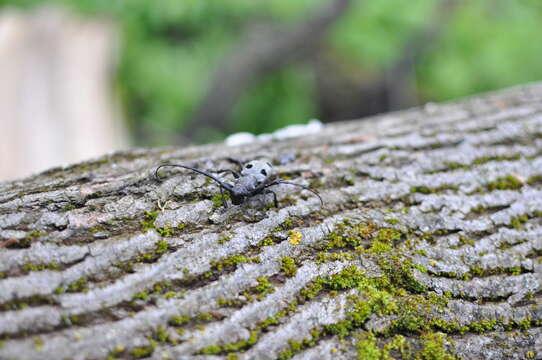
(429, 246)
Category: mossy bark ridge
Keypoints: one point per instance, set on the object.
(429, 246)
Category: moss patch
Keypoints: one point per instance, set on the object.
(288, 266)
(347, 235)
(231, 262)
(508, 182)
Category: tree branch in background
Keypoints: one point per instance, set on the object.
(262, 51)
(342, 96)
(401, 78)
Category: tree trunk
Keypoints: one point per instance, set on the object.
(428, 245)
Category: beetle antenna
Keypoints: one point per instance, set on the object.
(224, 185)
(280, 181)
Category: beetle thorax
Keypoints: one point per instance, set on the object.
(246, 184)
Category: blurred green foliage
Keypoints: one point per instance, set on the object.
(170, 49)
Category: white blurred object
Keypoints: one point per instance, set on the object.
(312, 127)
(240, 138)
(56, 98)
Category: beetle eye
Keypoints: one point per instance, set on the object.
(248, 166)
(264, 173)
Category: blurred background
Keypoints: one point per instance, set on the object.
(79, 78)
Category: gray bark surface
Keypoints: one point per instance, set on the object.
(428, 246)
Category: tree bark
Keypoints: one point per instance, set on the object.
(428, 245)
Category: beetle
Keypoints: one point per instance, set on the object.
(253, 178)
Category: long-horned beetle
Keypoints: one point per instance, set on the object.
(253, 178)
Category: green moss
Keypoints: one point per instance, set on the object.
(288, 266)
(287, 224)
(274, 320)
(218, 200)
(224, 239)
(518, 221)
(482, 326)
(486, 159)
(161, 247)
(434, 348)
(348, 180)
(383, 240)
(231, 262)
(78, 286)
(478, 209)
(150, 218)
(479, 271)
(166, 231)
(451, 165)
(507, 182)
(401, 273)
(181, 226)
(264, 287)
(420, 189)
(392, 221)
(161, 335)
(229, 302)
(287, 353)
(118, 350)
(179, 320)
(143, 351)
(427, 190)
(379, 247)
(463, 240)
(324, 257)
(211, 350)
(449, 327)
(143, 295)
(535, 179)
(399, 345)
(252, 339)
(295, 347)
(39, 267)
(311, 290)
(26, 242)
(38, 343)
(204, 317)
(347, 235)
(169, 295)
(268, 241)
(346, 279)
(237, 346)
(367, 349)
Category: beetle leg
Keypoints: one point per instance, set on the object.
(237, 162)
(233, 172)
(280, 181)
(224, 202)
(267, 191)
